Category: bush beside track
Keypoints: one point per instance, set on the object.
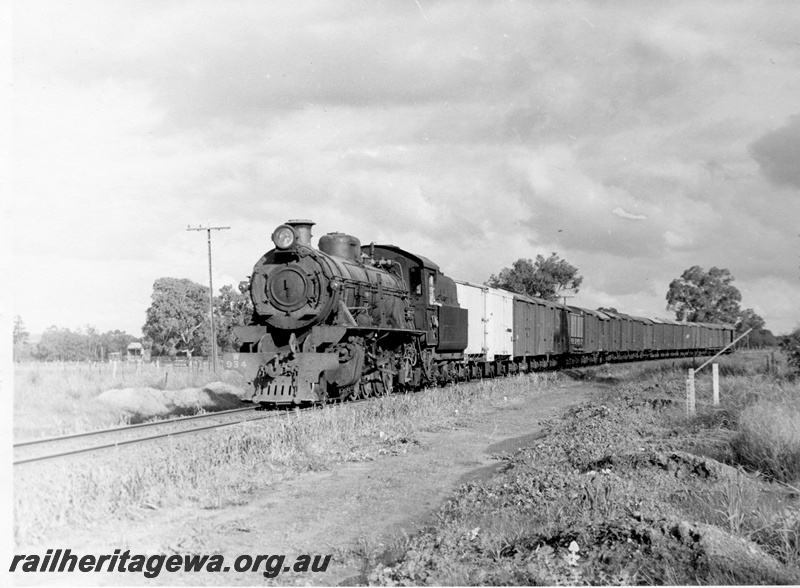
(657, 477)
(225, 468)
(628, 490)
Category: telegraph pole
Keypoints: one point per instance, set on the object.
(210, 292)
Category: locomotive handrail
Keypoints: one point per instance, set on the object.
(371, 286)
(384, 329)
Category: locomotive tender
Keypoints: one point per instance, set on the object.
(351, 321)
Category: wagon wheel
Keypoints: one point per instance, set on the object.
(359, 392)
(410, 354)
(387, 379)
(407, 362)
(426, 360)
(408, 366)
(342, 393)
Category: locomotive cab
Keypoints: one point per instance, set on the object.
(432, 296)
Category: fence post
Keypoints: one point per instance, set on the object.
(690, 403)
(715, 382)
(114, 371)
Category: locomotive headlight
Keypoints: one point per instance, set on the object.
(284, 237)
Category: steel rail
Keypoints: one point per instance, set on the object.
(138, 439)
(272, 414)
(44, 440)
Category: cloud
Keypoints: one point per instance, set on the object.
(778, 153)
(484, 133)
(622, 213)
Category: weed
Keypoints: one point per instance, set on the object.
(791, 346)
(778, 529)
(768, 439)
(57, 399)
(220, 468)
(592, 503)
(734, 503)
(599, 496)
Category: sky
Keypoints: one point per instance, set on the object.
(633, 139)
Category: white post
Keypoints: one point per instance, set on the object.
(715, 382)
(114, 371)
(690, 403)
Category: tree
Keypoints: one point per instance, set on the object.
(761, 338)
(748, 319)
(544, 279)
(59, 344)
(704, 297)
(20, 333)
(115, 341)
(177, 319)
(49, 346)
(790, 344)
(92, 344)
(21, 348)
(232, 309)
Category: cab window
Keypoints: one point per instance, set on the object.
(415, 281)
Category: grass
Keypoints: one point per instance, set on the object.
(756, 429)
(519, 526)
(758, 418)
(614, 495)
(88, 379)
(58, 399)
(768, 439)
(750, 506)
(223, 468)
(548, 519)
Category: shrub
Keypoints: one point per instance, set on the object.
(791, 346)
(225, 466)
(768, 439)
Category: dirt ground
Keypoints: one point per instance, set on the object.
(355, 507)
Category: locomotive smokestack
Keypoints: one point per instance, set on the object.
(303, 229)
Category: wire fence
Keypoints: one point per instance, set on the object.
(122, 365)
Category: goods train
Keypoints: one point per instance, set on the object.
(347, 321)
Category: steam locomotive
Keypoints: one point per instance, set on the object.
(346, 321)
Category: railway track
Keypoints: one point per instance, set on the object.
(36, 450)
(47, 448)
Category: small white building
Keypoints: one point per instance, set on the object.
(137, 352)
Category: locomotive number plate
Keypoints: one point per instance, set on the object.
(235, 364)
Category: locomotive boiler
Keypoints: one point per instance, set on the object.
(343, 321)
